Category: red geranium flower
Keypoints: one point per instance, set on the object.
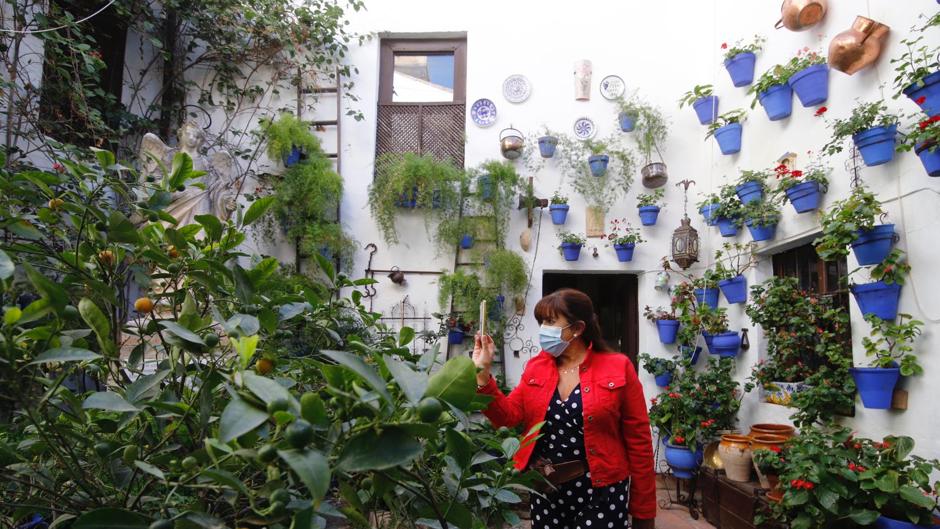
(921, 100)
(923, 124)
(679, 439)
(796, 174)
(821, 110)
(775, 449)
(58, 167)
(724, 45)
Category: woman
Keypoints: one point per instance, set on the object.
(595, 445)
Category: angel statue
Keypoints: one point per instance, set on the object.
(217, 198)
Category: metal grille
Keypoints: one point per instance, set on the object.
(437, 130)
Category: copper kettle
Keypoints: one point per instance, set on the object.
(859, 46)
(798, 15)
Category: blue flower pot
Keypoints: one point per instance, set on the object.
(405, 201)
(729, 138)
(876, 385)
(761, 233)
(741, 68)
(683, 462)
(708, 213)
(627, 122)
(466, 242)
(707, 296)
(571, 251)
(485, 187)
(734, 289)
(664, 380)
(455, 336)
(691, 353)
(727, 227)
(598, 163)
(648, 215)
(876, 144)
(293, 158)
(667, 330)
(883, 522)
(749, 192)
(624, 252)
(811, 85)
(930, 88)
(547, 146)
(777, 101)
(804, 196)
(929, 154)
(709, 339)
(559, 213)
(878, 298)
(872, 246)
(726, 344)
(706, 108)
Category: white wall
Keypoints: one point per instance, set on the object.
(662, 48)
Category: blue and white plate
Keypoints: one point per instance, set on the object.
(612, 87)
(516, 88)
(584, 129)
(483, 112)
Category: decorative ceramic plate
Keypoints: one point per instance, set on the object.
(483, 112)
(584, 129)
(612, 87)
(516, 88)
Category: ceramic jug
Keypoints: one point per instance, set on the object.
(582, 80)
(859, 46)
(798, 15)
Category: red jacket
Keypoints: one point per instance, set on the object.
(617, 433)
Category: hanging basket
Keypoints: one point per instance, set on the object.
(654, 175)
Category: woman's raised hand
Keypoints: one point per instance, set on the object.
(483, 351)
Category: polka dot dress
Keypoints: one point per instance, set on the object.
(576, 504)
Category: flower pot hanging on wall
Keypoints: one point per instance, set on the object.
(511, 143)
(582, 80)
(799, 15)
(654, 175)
(859, 46)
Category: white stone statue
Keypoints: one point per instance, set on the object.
(218, 197)
(582, 80)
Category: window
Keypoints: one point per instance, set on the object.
(423, 78)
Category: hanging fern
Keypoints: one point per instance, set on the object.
(287, 133)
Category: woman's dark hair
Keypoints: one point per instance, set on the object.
(575, 306)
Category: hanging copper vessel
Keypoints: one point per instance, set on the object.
(799, 15)
(859, 46)
(654, 175)
(511, 143)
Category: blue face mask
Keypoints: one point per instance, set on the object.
(550, 339)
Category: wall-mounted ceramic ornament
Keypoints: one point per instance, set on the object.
(582, 80)
(859, 46)
(525, 239)
(594, 222)
(612, 87)
(516, 88)
(483, 112)
(584, 129)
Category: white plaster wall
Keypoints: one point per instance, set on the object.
(662, 48)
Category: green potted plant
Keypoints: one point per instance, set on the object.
(288, 139)
(601, 190)
(649, 206)
(773, 92)
(873, 130)
(707, 207)
(731, 261)
(761, 218)
(809, 77)
(739, 59)
(507, 275)
(666, 323)
(728, 211)
(751, 186)
(918, 73)
(702, 99)
(623, 238)
(802, 188)
(851, 221)
(923, 137)
(769, 462)
(558, 207)
(597, 160)
(630, 109)
(890, 343)
(714, 325)
(727, 130)
(652, 128)
(662, 369)
(571, 244)
(896, 485)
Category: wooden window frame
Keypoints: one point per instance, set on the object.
(390, 46)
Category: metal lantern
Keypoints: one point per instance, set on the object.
(685, 239)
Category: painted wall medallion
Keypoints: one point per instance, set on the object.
(584, 129)
(582, 80)
(483, 112)
(516, 88)
(612, 87)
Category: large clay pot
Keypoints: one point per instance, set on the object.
(767, 440)
(799, 15)
(735, 454)
(859, 46)
(776, 429)
(582, 80)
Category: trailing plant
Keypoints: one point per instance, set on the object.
(778, 75)
(713, 321)
(890, 343)
(708, 200)
(723, 120)
(842, 221)
(733, 259)
(595, 147)
(572, 238)
(919, 58)
(652, 128)
(460, 290)
(651, 199)
(814, 172)
(729, 205)
(507, 273)
(803, 59)
(752, 45)
(696, 93)
(620, 233)
(558, 198)
(761, 213)
(600, 192)
(287, 133)
(864, 116)
(631, 106)
(657, 366)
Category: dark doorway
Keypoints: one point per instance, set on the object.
(615, 300)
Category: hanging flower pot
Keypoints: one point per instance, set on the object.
(750, 192)
(559, 213)
(294, 157)
(485, 187)
(406, 201)
(547, 146)
(734, 289)
(627, 122)
(707, 296)
(876, 385)
(706, 108)
(729, 138)
(466, 242)
(455, 336)
(761, 232)
(726, 344)
(654, 175)
(664, 380)
(571, 251)
(741, 68)
(929, 89)
(811, 85)
(709, 339)
(777, 101)
(876, 144)
(598, 163)
(872, 246)
(929, 153)
(625, 251)
(727, 227)
(648, 215)
(883, 522)
(667, 330)
(708, 213)
(691, 353)
(683, 461)
(878, 298)
(804, 196)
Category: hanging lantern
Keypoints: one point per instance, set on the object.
(685, 239)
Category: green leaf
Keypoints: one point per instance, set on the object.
(405, 336)
(226, 479)
(916, 496)
(411, 383)
(888, 482)
(902, 446)
(99, 324)
(108, 401)
(12, 315)
(311, 467)
(265, 388)
(141, 389)
(212, 226)
(257, 209)
(460, 447)
(182, 332)
(245, 347)
(65, 354)
(150, 469)
(239, 418)
(47, 288)
(454, 383)
(358, 366)
(510, 446)
(121, 229)
(6, 266)
(507, 496)
(371, 451)
(864, 517)
(244, 288)
(24, 230)
(289, 310)
(108, 518)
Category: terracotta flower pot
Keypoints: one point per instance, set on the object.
(776, 429)
(766, 440)
(735, 454)
(775, 495)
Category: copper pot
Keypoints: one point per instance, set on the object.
(784, 430)
(765, 441)
(859, 46)
(798, 15)
(511, 143)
